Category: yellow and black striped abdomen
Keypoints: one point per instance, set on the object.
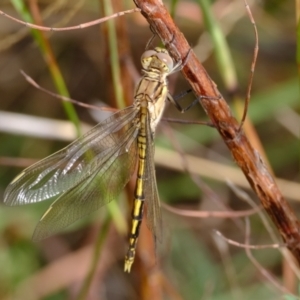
(139, 197)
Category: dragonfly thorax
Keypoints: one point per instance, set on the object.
(151, 91)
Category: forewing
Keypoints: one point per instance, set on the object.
(65, 169)
(152, 203)
(101, 187)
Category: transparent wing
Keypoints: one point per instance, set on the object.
(82, 159)
(98, 189)
(84, 176)
(152, 203)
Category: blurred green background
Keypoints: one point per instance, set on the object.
(192, 263)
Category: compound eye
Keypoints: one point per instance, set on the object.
(165, 57)
(147, 58)
(148, 54)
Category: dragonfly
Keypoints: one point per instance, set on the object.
(94, 169)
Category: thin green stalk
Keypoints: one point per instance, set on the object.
(118, 217)
(114, 57)
(222, 52)
(97, 251)
(114, 210)
(298, 49)
(119, 221)
(173, 8)
(46, 51)
(298, 36)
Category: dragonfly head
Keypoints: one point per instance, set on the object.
(157, 60)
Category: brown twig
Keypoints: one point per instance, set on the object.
(80, 26)
(247, 158)
(210, 214)
(263, 271)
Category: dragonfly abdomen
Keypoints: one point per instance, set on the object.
(139, 197)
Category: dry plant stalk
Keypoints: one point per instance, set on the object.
(247, 158)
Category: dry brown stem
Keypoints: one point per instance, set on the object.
(247, 158)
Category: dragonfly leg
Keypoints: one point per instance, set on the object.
(174, 100)
(151, 39)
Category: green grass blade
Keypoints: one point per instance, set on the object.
(46, 52)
